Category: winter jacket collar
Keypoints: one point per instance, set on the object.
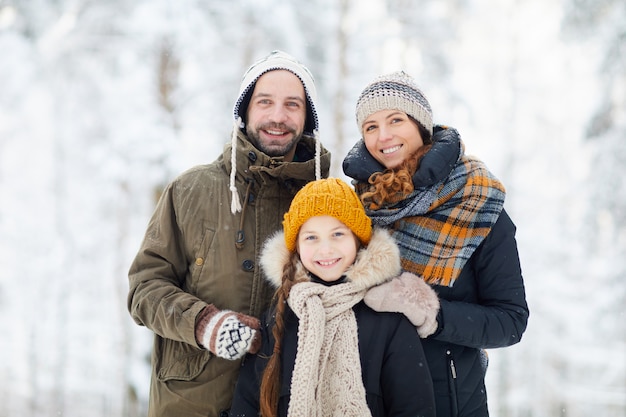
(253, 162)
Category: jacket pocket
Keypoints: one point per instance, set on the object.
(201, 252)
(452, 384)
(180, 361)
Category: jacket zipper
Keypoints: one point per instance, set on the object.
(452, 367)
(454, 407)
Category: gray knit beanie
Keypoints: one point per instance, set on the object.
(276, 60)
(395, 91)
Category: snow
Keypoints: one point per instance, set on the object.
(86, 146)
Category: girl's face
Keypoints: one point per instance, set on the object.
(327, 247)
(391, 137)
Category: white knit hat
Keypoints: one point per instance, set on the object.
(395, 91)
(276, 60)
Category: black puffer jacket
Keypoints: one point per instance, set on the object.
(395, 376)
(389, 369)
(485, 308)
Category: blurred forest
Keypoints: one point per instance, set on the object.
(103, 102)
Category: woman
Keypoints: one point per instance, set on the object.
(324, 351)
(445, 210)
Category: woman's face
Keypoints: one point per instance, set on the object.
(327, 247)
(391, 137)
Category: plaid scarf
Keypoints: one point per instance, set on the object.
(438, 228)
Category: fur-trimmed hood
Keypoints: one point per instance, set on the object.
(375, 263)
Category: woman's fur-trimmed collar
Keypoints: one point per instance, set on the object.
(375, 263)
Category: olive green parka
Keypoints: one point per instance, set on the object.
(190, 257)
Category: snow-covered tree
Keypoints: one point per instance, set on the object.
(103, 103)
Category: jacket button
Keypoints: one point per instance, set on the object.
(199, 261)
(252, 156)
(248, 265)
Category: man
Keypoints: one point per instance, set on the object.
(195, 281)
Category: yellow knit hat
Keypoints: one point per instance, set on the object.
(326, 197)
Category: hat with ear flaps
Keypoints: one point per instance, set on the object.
(326, 197)
(395, 91)
(276, 60)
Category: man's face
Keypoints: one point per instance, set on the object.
(277, 113)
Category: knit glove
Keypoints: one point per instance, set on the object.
(227, 334)
(410, 295)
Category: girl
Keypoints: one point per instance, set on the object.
(445, 210)
(324, 352)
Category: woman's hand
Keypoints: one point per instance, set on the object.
(410, 295)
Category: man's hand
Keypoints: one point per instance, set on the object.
(228, 334)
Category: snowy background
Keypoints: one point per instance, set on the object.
(104, 102)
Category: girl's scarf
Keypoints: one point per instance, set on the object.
(438, 228)
(326, 378)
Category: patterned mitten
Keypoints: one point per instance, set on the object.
(227, 334)
(410, 295)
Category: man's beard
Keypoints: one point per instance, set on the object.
(273, 151)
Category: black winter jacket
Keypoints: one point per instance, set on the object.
(392, 362)
(485, 308)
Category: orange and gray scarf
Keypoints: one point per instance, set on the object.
(438, 228)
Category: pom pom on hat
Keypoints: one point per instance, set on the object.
(395, 91)
(326, 197)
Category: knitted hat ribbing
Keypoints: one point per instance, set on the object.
(326, 197)
(395, 91)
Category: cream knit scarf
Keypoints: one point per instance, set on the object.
(327, 379)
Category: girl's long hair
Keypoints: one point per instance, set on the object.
(270, 383)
